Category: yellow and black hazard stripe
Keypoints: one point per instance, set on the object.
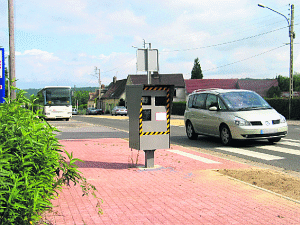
(155, 133)
(141, 119)
(159, 88)
(168, 110)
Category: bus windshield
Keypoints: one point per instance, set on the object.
(58, 96)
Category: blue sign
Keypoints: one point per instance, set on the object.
(2, 75)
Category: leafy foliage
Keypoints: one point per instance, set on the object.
(82, 97)
(178, 108)
(273, 92)
(196, 72)
(284, 82)
(30, 163)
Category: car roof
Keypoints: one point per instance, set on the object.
(219, 90)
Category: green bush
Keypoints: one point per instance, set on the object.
(281, 105)
(81, 111)
(178, 108)
(30, 163)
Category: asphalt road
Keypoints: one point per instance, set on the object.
(284, 154)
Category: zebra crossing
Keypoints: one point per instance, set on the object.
(286, 146)
(270, 152)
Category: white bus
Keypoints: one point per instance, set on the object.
(56, 102)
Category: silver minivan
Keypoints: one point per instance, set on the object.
(232, 114)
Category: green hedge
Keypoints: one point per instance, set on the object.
(178, 108)
(282, 106)
(279, 104)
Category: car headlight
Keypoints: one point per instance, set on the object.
(282, 119)
(241, 122)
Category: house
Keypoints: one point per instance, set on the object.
(162, 79)
(115, 93)
(260, 86)
(93, 101)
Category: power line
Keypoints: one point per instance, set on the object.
(246, 58)
(119, 66)
(224, 43)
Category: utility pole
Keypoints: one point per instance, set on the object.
(99, 96)
(292, 36)
(11, 58)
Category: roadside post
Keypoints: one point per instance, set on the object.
(2, 75)
(149, 110)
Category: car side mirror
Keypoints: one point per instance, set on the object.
(213, 108)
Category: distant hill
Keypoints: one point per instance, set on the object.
(33, 91)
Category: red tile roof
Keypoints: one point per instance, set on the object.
(195, 84)
(260, 86)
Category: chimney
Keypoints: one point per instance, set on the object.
(114, 79)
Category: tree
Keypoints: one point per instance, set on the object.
(284, 82)
(82, 97)
(274, 92)
(196, 72)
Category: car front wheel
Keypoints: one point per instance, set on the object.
(190, 132)
(225, 135)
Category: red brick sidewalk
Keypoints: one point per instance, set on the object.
(181, 190)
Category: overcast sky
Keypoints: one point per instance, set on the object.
(60, 42)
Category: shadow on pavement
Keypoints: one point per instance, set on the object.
(106, 165)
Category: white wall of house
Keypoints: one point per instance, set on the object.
(179, 95)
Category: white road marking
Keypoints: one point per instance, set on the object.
(196, 157)
(280, 149)
(286, 139)
(295, 144)
(250, 153)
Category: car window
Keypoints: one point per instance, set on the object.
(211, 100)
(190, 102)
(221, 104)
(199, 101)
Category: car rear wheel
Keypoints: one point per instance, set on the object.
(190, 132)
(225, 135)
(273, 140)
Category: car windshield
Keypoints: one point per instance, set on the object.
(244, 100)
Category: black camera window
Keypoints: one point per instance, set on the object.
(160, 101)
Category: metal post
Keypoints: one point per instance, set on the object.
(149, 158)
(148, 72)
(12, 75)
